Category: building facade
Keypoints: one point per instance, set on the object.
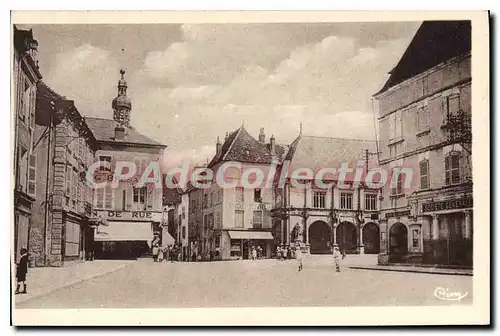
(424, 119)
(25, 77)
(334, 214)
(195, 221)
(132, 210)
(237, 218)
(62, 229)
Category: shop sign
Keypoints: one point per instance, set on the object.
(447, 205)
(128, 215)
(397, 214)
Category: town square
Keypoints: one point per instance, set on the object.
(172, 165)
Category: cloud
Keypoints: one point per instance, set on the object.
(219, 76)
(87, 75)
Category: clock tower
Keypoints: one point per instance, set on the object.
(122, 104)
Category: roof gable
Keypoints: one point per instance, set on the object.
(434, 42)
(240, 146)
(104, 130)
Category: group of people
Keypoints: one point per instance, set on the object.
(256, 253)
(170, 252)
(284, 252)
(287, 252)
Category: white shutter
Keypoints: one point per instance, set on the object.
(32, 175)
(32, 105)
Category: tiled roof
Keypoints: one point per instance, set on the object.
(104, 130)
(240, 146)
(322, 152)
(435, 42)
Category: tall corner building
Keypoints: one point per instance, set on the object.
(424, 119)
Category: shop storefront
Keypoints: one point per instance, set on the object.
(238, 244)
(127, 234)
(451, 227)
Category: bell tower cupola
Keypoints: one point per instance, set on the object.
(122, 104)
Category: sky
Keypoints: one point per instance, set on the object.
(190, 83)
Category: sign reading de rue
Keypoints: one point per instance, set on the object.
(126, 215)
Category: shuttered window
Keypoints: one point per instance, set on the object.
(424, 174)
(32, 175)
(239, 214)
(452, 168)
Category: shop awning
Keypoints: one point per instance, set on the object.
(125, 231)
(167, 239)
(255, 235)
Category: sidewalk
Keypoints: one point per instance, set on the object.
(43, 280)
(416, 269)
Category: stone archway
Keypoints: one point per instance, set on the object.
(319, 237)
(398, 242)
(371, 238)
(347, 237)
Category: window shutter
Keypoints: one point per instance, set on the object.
(129, 196)
(32, 107)
(32, 175)
(150, 193)
(455, 168)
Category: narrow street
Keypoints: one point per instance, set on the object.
(144, 284)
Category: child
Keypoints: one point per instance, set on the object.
(336, 257)
(298, 256)
(155, 253)
(21, 270)
(160, 253)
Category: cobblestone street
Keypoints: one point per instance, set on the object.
(144, 284)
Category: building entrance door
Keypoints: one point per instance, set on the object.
(371, 238)
(398, 248)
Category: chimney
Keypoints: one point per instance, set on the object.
(227, 135)
(218, 147)
(119, 133)
(272, 145)
(262, 136)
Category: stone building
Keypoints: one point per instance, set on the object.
(132, 210)
(424, 118)
(25, 77)
(172, 198)
(235, 218)
(333, 213)
(61, 229)
(195, 219)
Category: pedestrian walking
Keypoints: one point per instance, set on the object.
(298, 256)
(278, 252)
(282, 253)
(289, 253)
(254, 253)
(21, 271)
(160, 253)
(155, 253)
(336, 257)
